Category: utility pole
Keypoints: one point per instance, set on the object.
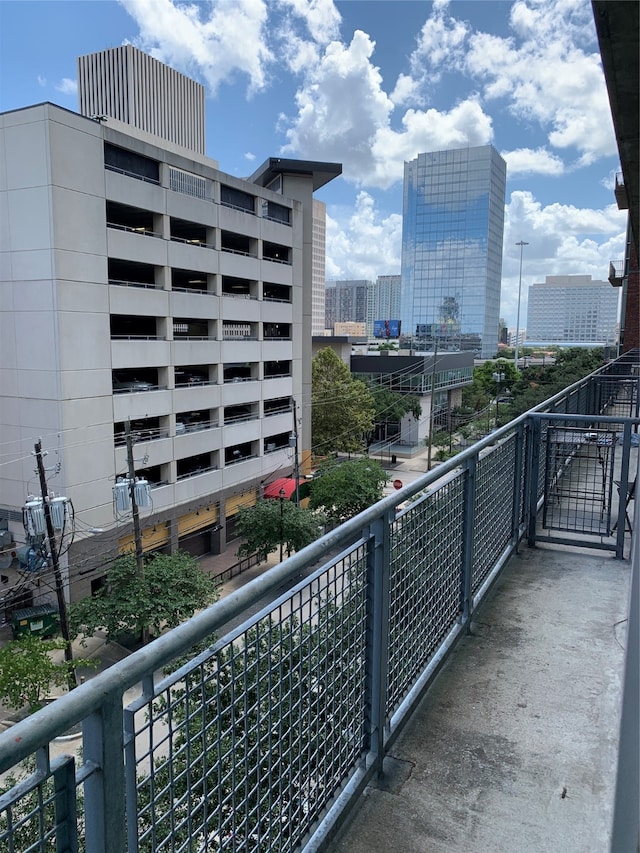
(57, 574)
(137, 534)
(433, 399)
(296, 465)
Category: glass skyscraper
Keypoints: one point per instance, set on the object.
(452, 232)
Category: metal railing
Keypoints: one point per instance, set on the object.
(265, 740)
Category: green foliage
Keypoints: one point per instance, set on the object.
(342, 408)
(35, 812)
(343, 490)
(537, 384)
(28, 671)
(392, 406)
(269, 718)
(259, 526)
(483, 376)
(170, 590)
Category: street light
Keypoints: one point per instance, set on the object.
(522, 244)
(282, 497)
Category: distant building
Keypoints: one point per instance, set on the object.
(567, 309)
(438, 386)
(452, 233)
(353, 330)
(346, 301)
(128, 85)
(383, 300)
(318, 252)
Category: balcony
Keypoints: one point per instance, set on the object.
(504, 563)
(620, 192)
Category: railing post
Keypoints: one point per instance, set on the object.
(517, 513)
(377, 639)
(105, 813)
(533, 469)
(468, 518)
(623, 490)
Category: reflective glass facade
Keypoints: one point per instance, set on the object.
(453, 222)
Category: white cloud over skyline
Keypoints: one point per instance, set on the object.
(318, 79)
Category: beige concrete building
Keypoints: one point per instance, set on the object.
(139, 282)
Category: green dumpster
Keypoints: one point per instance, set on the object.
(42, 620)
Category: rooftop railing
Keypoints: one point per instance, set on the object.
(266, 739)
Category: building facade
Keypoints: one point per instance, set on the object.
(318, 272)
(148, 287)
(128, 85)
(383, 300)
(566, 309)
(346, 301)
(452, 235)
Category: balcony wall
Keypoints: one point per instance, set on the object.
(197, 441)
(135, 353)
(185, 352)
(233, 393)
(141, 404)
(196, 398)
(198, 486)
(137, 247)
(146, 301)
(199, 305)
(134, 192)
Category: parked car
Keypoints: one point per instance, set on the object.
(121, 385)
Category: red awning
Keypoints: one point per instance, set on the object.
(286, 483)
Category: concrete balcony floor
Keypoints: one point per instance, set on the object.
(514, 747)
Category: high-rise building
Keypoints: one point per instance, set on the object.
(128, 85)
(383, 300)
(346, 301)
(452, 233)
(149, 287)
(318, 250)
(565, 309)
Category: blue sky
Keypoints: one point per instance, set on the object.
(370, 84)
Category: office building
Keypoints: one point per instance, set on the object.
(318, 250)
(572, 309)
(452, 233)
(149, 286)
(383, 300)
(346, 301)
(126, 84)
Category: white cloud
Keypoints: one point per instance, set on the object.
(546, 76)
(42, 81)
(249, 155)
(215, 41)
(361, 243)
(528, 161)
(67, 86)
(344, 115)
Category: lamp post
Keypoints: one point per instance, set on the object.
(282, 496)
(522, 244)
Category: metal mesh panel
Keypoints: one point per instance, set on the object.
(495, 478)
(243, 747)
(425, 583)
(40, 811)
(579, 480)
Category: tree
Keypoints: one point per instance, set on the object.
(170, 590)
(342, 408)
(483, 376)
(392, 406)
(259, 526)
(28, 671)
(344, 489)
